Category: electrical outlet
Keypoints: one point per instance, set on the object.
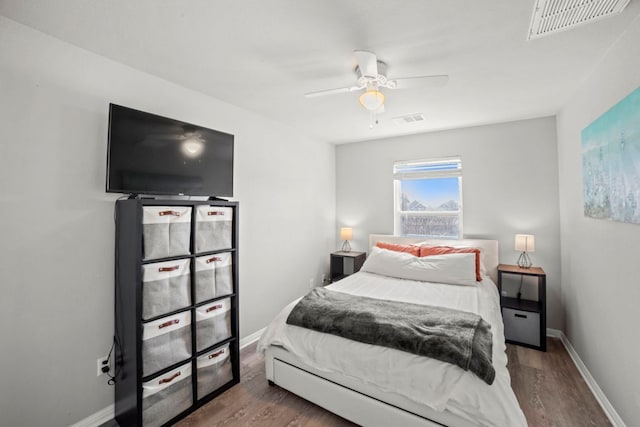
(102, 362)
(312, 283)
(324, 279)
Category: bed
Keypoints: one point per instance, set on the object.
(378, 386)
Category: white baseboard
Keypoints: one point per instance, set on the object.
(607, 407)
(97, 419)
(107, 414)
(251, 338)
(554, 333)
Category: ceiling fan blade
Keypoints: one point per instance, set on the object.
(423, 81)
(331, 91)
(367, 62)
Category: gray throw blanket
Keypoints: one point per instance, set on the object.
(457, 337)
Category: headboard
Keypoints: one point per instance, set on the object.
(488, 248)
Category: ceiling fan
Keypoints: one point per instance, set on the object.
(372, 75)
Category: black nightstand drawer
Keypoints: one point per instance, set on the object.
(521, 326)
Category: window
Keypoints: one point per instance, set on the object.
(428, 198)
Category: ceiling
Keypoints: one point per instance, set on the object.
(265, 55)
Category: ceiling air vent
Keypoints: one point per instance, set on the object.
(408, 119)
(552, 16)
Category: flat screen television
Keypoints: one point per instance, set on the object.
(155, 155)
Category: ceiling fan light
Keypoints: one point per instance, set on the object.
(372, 99)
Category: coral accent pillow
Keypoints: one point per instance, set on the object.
(443, 250)
(411, 249)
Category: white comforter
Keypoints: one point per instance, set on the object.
(426, 381)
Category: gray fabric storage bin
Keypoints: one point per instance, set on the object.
(166, 231)
(224, 274)
(165, 287)
(214, 370)
(166, 396)
(165, 341)
(214, 228)
(214, 276)
(213, 323)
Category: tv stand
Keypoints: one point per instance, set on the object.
(134, 196)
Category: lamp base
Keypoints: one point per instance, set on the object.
(346, 247)
(524, 261)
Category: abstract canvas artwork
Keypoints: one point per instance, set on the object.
(611, 163)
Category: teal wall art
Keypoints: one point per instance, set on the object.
(611, 163)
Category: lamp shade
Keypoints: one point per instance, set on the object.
(372, 99)
(346, 233)
(525, 243)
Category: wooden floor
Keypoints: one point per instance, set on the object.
(549, 388)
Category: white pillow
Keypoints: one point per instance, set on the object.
(456, 269)
(483, 270)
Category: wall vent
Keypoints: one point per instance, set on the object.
(408, 119)
(552, 16)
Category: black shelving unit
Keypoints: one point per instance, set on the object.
(338, 261)
(130, 361)
(525, 321)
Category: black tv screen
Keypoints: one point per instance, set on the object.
(150, 154)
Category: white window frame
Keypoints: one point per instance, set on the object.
(402, 176)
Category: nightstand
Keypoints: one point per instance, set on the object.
(525, 321)
(345, 263)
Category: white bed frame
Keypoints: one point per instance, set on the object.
(351, 399)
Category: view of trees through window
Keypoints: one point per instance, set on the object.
(428, 199)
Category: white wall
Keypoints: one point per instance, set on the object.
(600, 259)
(56, 255)
(510, 185)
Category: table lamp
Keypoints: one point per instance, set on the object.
(525, 243)
(346, 234)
